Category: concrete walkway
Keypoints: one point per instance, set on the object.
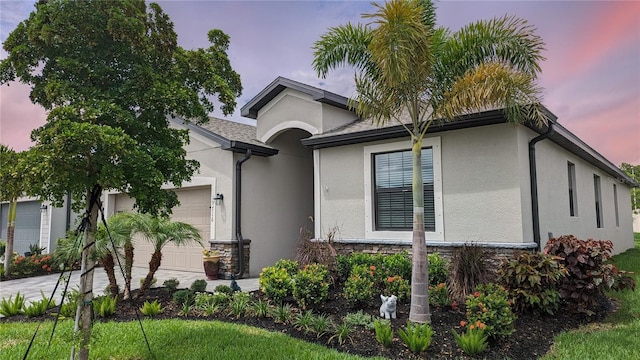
(31, 287)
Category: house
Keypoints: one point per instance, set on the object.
(502, 186)
(37, 223)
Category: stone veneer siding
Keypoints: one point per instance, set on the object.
(495, 252)
(228, 251)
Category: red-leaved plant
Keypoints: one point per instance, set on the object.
(588, 271)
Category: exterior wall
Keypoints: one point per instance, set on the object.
(292, 109)
(480, 178)
(553, 197)
(277, 199)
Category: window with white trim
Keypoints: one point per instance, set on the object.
(393, 196)
(573, 194)
(598, 196)
(388, 196)
(615, 204)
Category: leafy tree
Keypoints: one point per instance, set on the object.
(12, 188)
(634, 172)
(412, 72)
(110, 73)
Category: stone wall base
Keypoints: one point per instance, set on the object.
(228, 250)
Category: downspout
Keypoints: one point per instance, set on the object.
(238, 202)
(533, 177)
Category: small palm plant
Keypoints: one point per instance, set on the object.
(151, 308)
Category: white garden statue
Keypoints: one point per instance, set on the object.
(388, 307)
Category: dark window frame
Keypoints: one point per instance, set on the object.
(573, 191)
(597, 191)
(394, 221)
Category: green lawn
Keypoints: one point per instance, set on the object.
(617, 338)
(169, 339)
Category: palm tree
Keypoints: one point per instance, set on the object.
(160, 231)
(11, 187)
(412, 72)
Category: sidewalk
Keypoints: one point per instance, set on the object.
(30, 287)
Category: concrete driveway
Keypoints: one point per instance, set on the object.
(31, 287)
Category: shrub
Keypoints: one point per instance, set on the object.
(151, 308)
(346, 263)
(69, 307)
(359, 319)
(318, 251)
(184, 296)
(291, 266)
(588, 274)
(224, 289)
(358, 290)
(397, 265)
(199, 285)
(417, 337)
(532, 281)
(438, 269)
(104, 306)
(282, 313)
(302, 320)
(40, 307)
(275, 283)
(439, 295)
(474, 340)
(34, 265)
(384, 333)
(153, 281)
(259, 309)
(489, 304)
(203, 301)
(468, 270)
(311, 285)
(12, 307)
(342, 333)
(3, 246)
(239, 304)
(321, 324)
(171, 284)
(396, 285)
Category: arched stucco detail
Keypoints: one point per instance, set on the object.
(292, 124)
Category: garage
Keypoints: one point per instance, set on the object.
(27, 231)
(194, 209)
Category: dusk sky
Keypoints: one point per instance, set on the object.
(591, 76)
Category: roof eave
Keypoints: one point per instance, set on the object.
(251, 108)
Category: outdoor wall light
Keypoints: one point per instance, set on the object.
(43, 208)
(218, 199)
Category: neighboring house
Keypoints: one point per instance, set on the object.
(310, 155)
(37, 223)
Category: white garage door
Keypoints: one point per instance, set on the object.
(194, 209)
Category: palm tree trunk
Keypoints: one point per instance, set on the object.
(419, 311)
(11, 229)
(154, 265)
(128, 265)
(109, 267)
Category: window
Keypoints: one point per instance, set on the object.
(598, 196)
(388, 200)
(573, 195)
(393, 197)
(615, 204)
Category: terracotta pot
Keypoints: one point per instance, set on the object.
(211, 266)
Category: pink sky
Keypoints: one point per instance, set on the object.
(591, 76)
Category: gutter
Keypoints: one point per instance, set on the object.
(238, 202)
(533, 177)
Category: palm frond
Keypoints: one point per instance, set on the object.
(494, 86)
(343, 45)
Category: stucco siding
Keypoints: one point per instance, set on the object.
(481, 185)
(553, 196)
(217, 164)
(342, 191)
(289, 109)
(480, 178)
(277, 200)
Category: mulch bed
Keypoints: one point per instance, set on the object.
(533, 336)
